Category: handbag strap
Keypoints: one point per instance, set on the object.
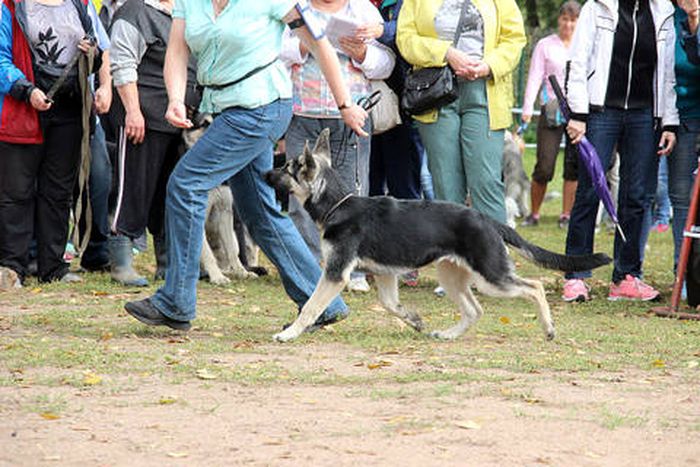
(460, 23)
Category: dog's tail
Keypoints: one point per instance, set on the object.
(549, 259)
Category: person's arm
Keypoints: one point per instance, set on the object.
(128, 48)
(12, 80)
(103, 94)
(175, 73)
(293, 51)
(377, 61)
(503, 59)
(419, 51)
(577, 84)
(692, 9)
(535, 78)
(669, 117)
(353, 115)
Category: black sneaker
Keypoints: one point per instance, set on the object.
(147, 313)
(322, 322)
(530, 221)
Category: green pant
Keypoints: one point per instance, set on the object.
(464, 154)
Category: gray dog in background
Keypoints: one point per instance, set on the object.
(517, 184)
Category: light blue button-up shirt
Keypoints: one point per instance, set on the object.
(247, 34)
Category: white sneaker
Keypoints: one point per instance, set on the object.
(439, 291)
(358, 284)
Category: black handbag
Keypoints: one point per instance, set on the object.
(431, 88)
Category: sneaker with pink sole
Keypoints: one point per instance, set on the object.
(632, 288)
(575, 290)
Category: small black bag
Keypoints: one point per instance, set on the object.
(431, 88)
(428, 88)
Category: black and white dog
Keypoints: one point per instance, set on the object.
(388, 237)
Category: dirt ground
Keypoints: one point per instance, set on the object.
(545, 418)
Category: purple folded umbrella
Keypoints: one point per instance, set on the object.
(590, 159)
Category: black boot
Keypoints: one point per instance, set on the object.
(161, 250)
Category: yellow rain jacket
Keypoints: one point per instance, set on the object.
(504, 39)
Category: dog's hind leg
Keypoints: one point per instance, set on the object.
(326, 291)
(388, 289)
(535, 291)
(455, 280)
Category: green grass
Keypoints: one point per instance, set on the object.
(51, 335)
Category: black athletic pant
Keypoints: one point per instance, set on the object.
(36, 189)
(143, 173)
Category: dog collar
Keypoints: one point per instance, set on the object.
(334, 207)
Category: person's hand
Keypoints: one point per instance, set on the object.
(103, 99)
(303, 49)
(39, 101)
(135, 126)
(176, 115)
(460, 63)
(576, 130)
(526, 118)
(354, 48)
(85, 45)
(666, 144)
(354, 116)
(478, 70)
(692, 9)
(369, 31)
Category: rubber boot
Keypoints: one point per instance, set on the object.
(161, 251)
(120, 258)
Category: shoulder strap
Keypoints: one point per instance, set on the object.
(218, 87)
(460, 23)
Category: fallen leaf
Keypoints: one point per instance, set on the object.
(49, 416)
(178, 455)
(105, 336)
(469, 425)
(206, 374)
(379, 364)
(36, 290)
(100, 293)
(504, 319)
(658, 363)
(167, 400)
(91, 379)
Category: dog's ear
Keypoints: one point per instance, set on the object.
(308, 163)
(322, 149)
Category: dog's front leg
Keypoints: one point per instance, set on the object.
(326, 291)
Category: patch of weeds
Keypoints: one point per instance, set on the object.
(613, 420)
(49, 404)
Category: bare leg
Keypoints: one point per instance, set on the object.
(325, 292)
(455, 281)
(537, 192)
(387, 287)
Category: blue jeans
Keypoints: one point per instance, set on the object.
(632, 131)
(100, 185)
(662, 203)
(681, 164)
(236, 148)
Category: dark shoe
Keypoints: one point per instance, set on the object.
(530, 221)
(322, 321)
(147, 313)
(89, 267)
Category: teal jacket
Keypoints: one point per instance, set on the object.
(687, 73)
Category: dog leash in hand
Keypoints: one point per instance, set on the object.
(66, 71)
(335, 207)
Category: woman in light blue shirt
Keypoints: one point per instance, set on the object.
(236, 44)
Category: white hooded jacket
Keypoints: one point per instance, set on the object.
(590, 56)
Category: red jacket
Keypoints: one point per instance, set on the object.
(19, 121)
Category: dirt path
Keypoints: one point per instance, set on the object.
(624, 419)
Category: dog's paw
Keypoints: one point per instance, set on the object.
(219, 280)
(551, 334)
(443, 335)
(287, 335)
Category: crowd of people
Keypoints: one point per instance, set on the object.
(130, 76)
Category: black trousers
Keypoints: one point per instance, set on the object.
(395, 163)
(143, 173)
(36, 189)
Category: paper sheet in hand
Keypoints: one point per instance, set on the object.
(338, 27)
